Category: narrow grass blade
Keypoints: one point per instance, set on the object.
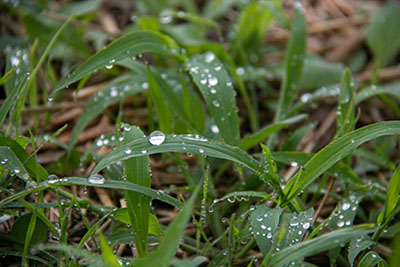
(170, 242)
(373, 90)
(335, 151)
(112, 94)
(12, 98)
(127, 46)
(92, 230)
(392, 196)
(242, 195)
(345, 111)
(164, 116)
(214, 83)
(372, 259)
(250, 141)
(293, 63)
(319, 244)
(186, 144)
(137, 172)
(107, 252)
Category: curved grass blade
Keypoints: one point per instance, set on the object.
(242, 195)
(294, 60)
(345, 110)
(319, 244)
(372, 259)
(170, 242)
(127, 46)
(214, 83)
(137, 172)
(392, 89)
(392, 196)
(107, 252)
(112, 184)
(335, 151)
(250, 141)
(12, 98)
(187, 144)
(112, 94)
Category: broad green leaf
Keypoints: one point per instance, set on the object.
(383, 34)
(392, 196)
(110, 95)
(127, 46)
(319, 244)
(19, 231)
(107, 252)
(170, 242)
(11, 162)
(335, 151)
(344, 213)
(165, 119)
(137, 172)
(214, 83)
(371, 259)
(358, 245)
(296, 225)
(265, 226)
(318, 73)
(345, 111)
(79, 8)
(186, 144)
(250, 141)
(293, 64)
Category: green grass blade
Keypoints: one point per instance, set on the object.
(372, 259)
(345, 110)
(293, 63)
(110, 95)
(170, 242)
(392, 196)
(127, 46)
(250, 141)
(10, 161)
(185, 144)
(12, 98)
(108, 255)
(137, 172)
(214, 83)
(337, 150)
(7, 76)
(92, 230)
(392, 89)
(165, 119)
(319, 244)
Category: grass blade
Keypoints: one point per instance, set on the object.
(293, 63)
(186, 144)
(127, 46)
(335, 151)
(345, 110)
(169, 243)
(253, 140)
(214, 83)
(319, 244)
(393, 191)
(137, 172)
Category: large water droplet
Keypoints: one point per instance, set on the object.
(346, 206)
(214, 128)
(210, 57)
(128, 151)
(263, 227)
(213, 81)
(52, 179)
(340, 223)
(157, 138)
(96, 179)
(269, 235)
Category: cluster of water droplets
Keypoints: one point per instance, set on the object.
(344, 214)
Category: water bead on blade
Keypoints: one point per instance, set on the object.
(156, 138)
(96, 179)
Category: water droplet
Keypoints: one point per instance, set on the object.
(128, 151)
(216, 103)
(306, 225)
(156, 138)
(294, 222)
(214, 128)
(201, 150)
(240, 71)
(145, 85)
(213, 91)
(352, 141)
(263, 227)
(99, 143)
(203, 81)
(304, 98)
(96, 179)
(340, 223)
(52, 179)
(16, 171)
(373, 255)
(218, 68)
(213, 81)
(346, 206)
(294, 164)
(114, 91)
(144, 151)
(166, 17)
(210, 57)
(269, 235)
(259, 219)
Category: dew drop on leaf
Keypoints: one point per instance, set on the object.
(96, 179)
(156, 138)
